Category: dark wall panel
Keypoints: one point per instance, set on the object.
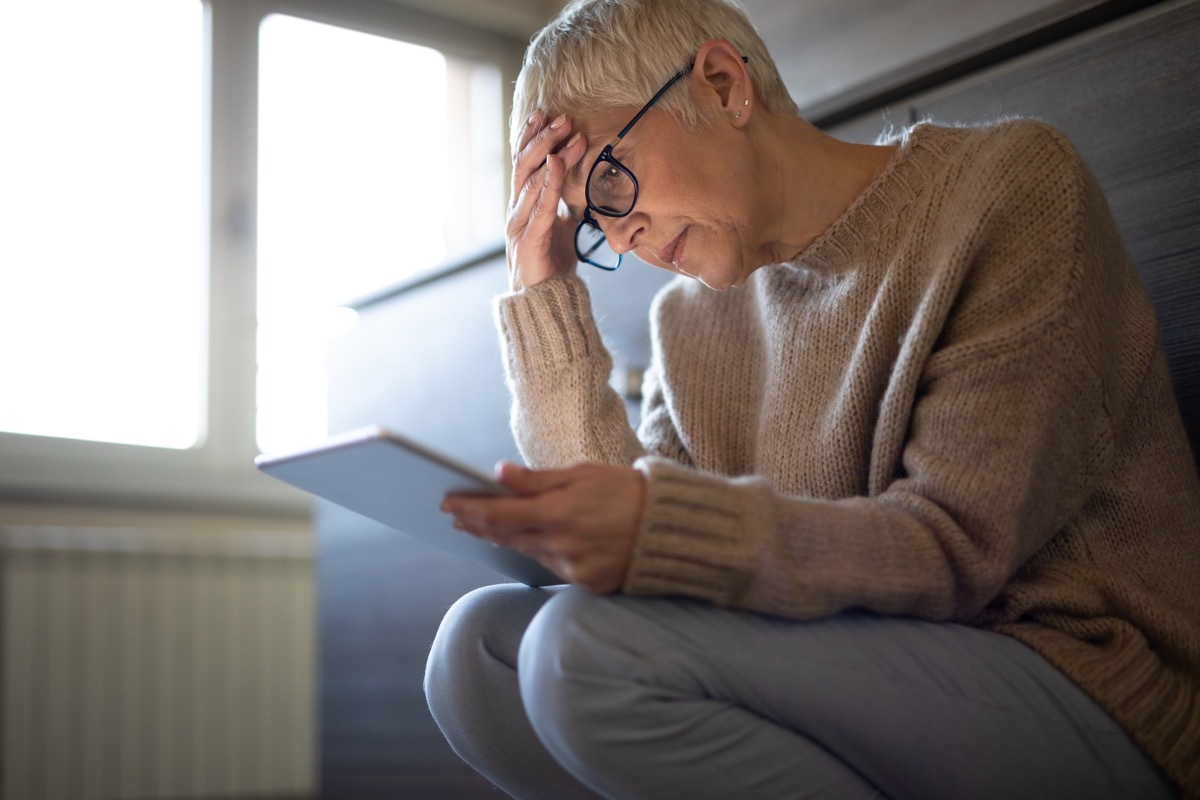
(426, 363)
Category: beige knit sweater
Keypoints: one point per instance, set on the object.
(953, 405)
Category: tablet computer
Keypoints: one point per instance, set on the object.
(392, 479)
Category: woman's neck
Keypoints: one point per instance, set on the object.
(809, 180)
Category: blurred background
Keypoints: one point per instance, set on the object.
(236, 226)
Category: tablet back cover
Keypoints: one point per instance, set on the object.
(400, 483)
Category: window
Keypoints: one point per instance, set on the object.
(357, 189)
(103, 302)
(128, 191)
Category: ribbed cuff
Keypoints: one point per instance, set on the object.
(692, 538)
(547, 326)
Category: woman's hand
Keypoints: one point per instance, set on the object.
(540, 240)
(579, 522)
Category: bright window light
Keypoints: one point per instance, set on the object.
(103, 279)
(357, 191)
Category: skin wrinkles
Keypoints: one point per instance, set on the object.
(721, 183)
(663, 154)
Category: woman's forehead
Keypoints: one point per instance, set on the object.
(599, 128)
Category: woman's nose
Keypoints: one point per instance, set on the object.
(623, 233)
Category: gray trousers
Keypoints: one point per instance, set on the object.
(562, 694)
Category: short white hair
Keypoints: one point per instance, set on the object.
(604, 54)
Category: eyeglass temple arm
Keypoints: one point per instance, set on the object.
(653, 100)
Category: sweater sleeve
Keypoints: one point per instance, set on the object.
(1008, 432)
(657, 430)
(557, 368)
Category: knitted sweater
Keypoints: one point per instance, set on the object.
(952, 405)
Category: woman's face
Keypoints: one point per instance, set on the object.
(695, 212)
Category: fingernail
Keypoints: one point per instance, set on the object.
(534, 117)
(558, 123)
(573, 140)
(546, 177)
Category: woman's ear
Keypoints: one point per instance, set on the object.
(721, 77)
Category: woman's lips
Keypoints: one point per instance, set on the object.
(673, 252)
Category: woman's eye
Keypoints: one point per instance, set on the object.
(611, 190)
(609, 178)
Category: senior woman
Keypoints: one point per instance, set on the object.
(910, 512)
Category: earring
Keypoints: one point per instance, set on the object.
(738, 115)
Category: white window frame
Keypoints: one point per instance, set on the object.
(218, 474)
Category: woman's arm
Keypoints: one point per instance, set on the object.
(657, 430)
(563, 410)
(557, 368)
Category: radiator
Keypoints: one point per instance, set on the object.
(160, 663)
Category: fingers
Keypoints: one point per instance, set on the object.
(539, 139)
(538, 234)
(532, 126)
(528, 481)
(505, 521)
(531, 220)
(543, 203)
(534, 511)
(536, 205)
(580, 522)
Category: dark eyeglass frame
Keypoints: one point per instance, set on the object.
(606, 157)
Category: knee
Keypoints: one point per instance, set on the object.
(475, 638)
(578, 671)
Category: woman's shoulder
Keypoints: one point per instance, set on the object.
(1003, 171)
(999, 135)
(1015, 152)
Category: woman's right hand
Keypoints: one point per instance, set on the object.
(539, 240)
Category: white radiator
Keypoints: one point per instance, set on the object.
(163, 662)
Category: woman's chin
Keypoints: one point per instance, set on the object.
(720, 283)
(722, 279)
(719, 280)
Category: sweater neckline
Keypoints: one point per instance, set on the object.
(837, 249)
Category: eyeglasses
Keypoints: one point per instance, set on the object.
(611, 191)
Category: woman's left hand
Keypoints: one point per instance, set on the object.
(579, 522)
